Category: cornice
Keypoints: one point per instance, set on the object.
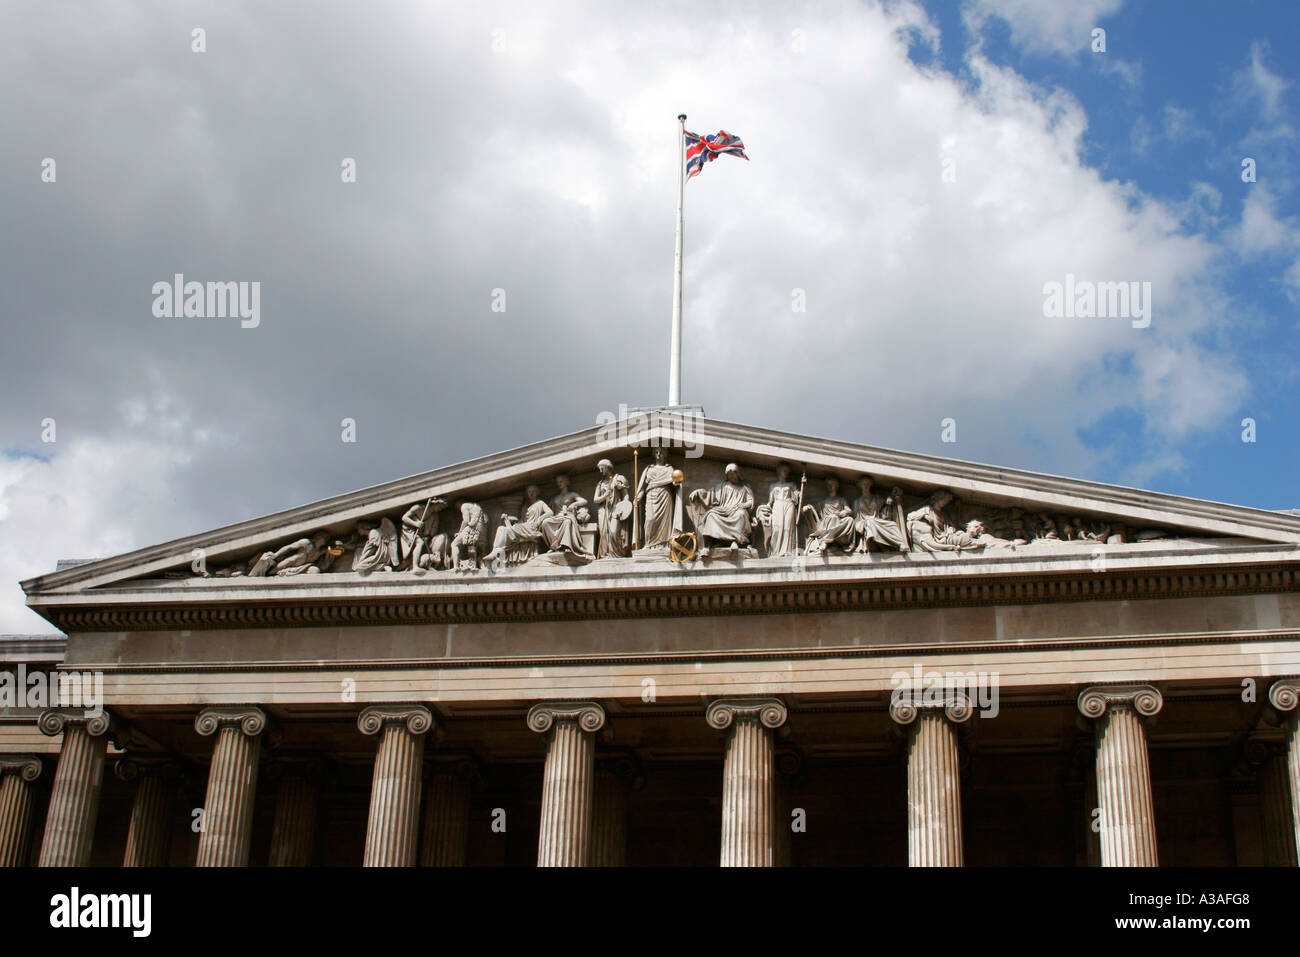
(907, 587)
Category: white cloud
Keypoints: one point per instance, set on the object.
(924, 296)
(1256, 82)
(1045, 27)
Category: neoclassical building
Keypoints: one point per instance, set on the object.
(673, 641)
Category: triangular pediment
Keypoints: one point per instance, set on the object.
(1019, 513)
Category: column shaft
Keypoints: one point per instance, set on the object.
(934, 837)
(228, 807)
(148, 839)
(567, 791)
(17, 809)
(392, 830)
(1293, 780)
(74, 801)
(609, 820)
(445, 838)
(293, 835)
(747, 795)
(1128, 823)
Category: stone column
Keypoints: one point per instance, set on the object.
(149, 838)
(227, 823)
(564, 838)
(74, 801)
(789, 773)
(1127, 819)
(293, 833)
(618, 773)
(393, 828)
(17, 774)
(444, 836)
(934, 836)
(1284, 695)
(747, 798)
(1278, 835)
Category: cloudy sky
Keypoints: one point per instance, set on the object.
(918, 172)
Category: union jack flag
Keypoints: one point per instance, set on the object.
(705, 149)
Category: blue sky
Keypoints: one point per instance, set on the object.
(1182, 94)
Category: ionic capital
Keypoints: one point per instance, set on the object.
(417, 718)
(771, 713)
(54, 721)
(1284, 695)
(1146, 700)
(26, 766)
(131, 766)
(251, 721)
(905, 704)
(589, 715)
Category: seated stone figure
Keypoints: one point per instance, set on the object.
(835, 524)
(722, 513)
(379, 548)
(516, 538)
(562, 529)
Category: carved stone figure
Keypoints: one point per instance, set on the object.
(563, 528)
(472, 536)
(659, 492)
(379, 550)
(516, 538)
(422, 546)
(614, 502)
(778, 515)
(306, 556)
(721, 513)
(932, 532)
(879, 519)
(834, 524)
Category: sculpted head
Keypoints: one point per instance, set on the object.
(320, 538)
(783, 472)
(941, 499)
(532, 492)
(865, 483)
(732, 472)
(832, 485)
(605, 466)
(660, 454)
(562, 481)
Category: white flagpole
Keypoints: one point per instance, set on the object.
(675, 363)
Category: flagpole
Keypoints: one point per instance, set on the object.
(675, 361)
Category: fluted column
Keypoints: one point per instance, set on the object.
(227, 822)
(444, 836)
(293, 832)
(148, 840)
(18, 772)
(568, 786)
(747, 792)
(1284, 695)
(74, 801)
(393, 828)
(618, 773)
(1128, 821)
(934, 835)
